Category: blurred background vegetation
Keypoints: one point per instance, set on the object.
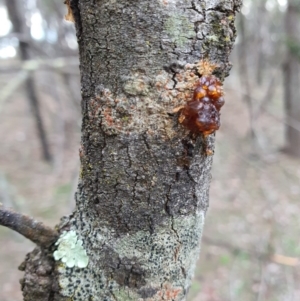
(250, 247)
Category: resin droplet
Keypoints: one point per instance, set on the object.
(202, 113)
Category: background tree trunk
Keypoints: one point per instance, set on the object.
(292, 78)
(19, 26)
(144, 181)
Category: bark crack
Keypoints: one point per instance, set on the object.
(149, 148)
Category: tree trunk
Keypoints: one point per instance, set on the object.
(292, 79)
(144, 181)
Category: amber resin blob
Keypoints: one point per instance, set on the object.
(202, 112)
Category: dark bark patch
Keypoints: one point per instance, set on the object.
(125, 271)
(147, 292)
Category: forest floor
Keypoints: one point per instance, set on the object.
(254, 195)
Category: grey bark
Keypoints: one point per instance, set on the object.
(144, 183)
(291, 74)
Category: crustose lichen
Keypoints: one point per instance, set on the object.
(70, 250)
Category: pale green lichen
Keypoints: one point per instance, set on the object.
(70, 250)
(180, 29)
(178, 244)
(213, 38)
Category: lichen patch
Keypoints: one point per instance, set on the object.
(70, 250)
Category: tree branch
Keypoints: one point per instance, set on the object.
(35, 231)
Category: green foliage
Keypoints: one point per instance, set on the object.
(70, 250)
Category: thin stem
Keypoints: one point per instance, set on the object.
(35, 231)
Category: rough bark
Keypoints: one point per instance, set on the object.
(292, 79)
(144, 182)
